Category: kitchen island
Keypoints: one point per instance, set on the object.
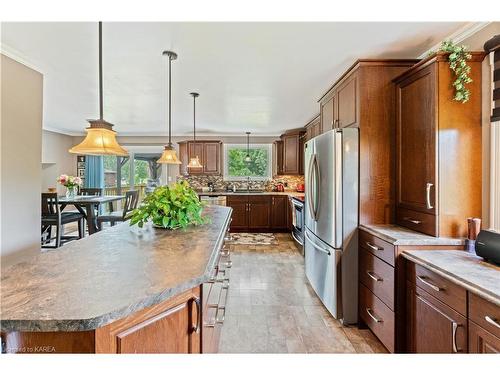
(122, 290)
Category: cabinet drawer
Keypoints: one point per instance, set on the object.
(377, 276)
(376, 246)
(419, 221)
(377, 316)
(482, 341)
(485, 314)
(444, 290)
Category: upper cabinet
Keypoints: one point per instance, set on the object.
(290, 153)
(438, 149)
(364, 97)
(313, 128)
(209, 153)
(339, 108)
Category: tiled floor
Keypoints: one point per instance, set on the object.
(272, 309)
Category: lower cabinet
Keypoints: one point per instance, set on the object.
(433, 327)
(443, 317)
(171, 327)
(263, 213)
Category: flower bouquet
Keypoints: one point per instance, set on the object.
(71, 183)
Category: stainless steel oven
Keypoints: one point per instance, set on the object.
(298, 219)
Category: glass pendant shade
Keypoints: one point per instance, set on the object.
(194, 163)
(169, 156)
(248, 159)
(100, 140)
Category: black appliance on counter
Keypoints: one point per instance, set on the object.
(488, 245)
(298, 227)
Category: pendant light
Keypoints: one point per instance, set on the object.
(194, 162)
(100, 138)
(248, 159)
(169, 155)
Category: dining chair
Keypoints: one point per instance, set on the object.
(53, 217)
(131, 200)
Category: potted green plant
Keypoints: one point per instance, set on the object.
(170, 207)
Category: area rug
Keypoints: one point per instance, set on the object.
(253, 239)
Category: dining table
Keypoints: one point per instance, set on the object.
(86, 204)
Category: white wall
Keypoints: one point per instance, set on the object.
(21, 135)
(56, 159)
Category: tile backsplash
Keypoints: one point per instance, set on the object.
(197, 182)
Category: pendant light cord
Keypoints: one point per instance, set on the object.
(101, 114)
(194, 119)
(170, 100)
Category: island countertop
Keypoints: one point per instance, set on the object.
(462, 268)
(92, 282)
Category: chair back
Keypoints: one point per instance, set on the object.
(98, 192)
(131, 200)
(50, 204)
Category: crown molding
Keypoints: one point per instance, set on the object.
(16, 55)
(460, 35)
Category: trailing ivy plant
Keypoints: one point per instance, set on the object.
(458, 56)
(170, 207)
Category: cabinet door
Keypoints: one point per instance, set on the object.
(433, 326)
(279, 212)
(196, 149)
(347, 104)
(482, 341)
(239, 218)
(172, 331)
(259, 212)
(279, 157)
(291, 154)
(211, 158)
(416, 142)
(328, 115)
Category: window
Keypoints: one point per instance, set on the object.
(236, 168)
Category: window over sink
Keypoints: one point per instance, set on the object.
(237, 168)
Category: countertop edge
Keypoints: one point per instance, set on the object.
(100, 321)
(454, 278)
(431, 241)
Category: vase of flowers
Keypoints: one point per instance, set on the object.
(71, 183)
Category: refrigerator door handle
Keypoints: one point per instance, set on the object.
(316, 246)
(317, 193)
(310, 187)
(338, 188)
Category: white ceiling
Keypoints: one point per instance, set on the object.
(258, 77)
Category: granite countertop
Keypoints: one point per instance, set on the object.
(402, 236)
(218, 193)
(92, 282)
(462, 268)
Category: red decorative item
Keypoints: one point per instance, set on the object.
(300, 188)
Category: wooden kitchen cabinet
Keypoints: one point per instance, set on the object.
(259, 213)
(278, 148)
(279, 212)
(433, 327)
(438, 149)
(239, 204)
(209, 153)
(482, 341)
(484, 325)
(292, 153)
(170, 327)
(313, 128)
(365, 97)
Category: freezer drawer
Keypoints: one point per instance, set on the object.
(322, 270)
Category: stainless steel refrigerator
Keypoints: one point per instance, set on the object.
(331, 220)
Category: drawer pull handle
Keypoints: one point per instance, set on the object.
(492, 321)
(375, 319)
(455, 326)
(409, 219)
(196, 327)
(435, 287)
(228, 264)
(373, 247)
(374, 276)
(428, 195)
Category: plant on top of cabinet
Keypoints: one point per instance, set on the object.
(457, 58)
